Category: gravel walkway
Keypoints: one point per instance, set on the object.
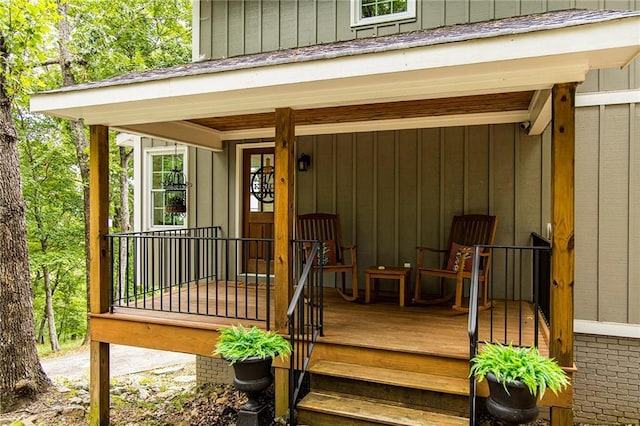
(123, 360)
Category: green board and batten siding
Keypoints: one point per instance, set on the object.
(395, 190)
(608, 213)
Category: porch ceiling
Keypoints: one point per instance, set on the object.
(490, 72)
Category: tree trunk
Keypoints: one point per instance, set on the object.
(78, 135)
(53, 334)
(43, 322)
(125, 215)
(125, 222)
(20, 370)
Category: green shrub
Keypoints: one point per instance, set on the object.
(238, 343)
(524, 364)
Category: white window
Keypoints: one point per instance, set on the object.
(160, 162)
(367, 12)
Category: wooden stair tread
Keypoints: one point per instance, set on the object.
(349, 406)
(407, 379)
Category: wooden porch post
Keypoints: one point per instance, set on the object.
(284, 211)
(562, 212)
(99, 269)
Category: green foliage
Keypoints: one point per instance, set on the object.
(524, 364)
(115, 37)
(55, 228)
(238, 343)
(24, 42)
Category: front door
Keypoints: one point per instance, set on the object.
(258, 196)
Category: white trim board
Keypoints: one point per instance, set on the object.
(607, 328)
(608, 98)
(195, 30)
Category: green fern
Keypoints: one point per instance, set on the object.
(524, 364)
(238, 343)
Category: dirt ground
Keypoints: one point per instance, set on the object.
(165, 396)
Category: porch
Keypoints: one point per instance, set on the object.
(196, 283)
(515, 70)
(419, 354)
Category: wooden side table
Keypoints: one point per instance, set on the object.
(403, 275)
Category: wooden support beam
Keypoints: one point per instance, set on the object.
(99, 268)
(284, 211)
(562, 212)
(283, 257)
(99, 384)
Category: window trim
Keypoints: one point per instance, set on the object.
(356, 21)
(147, 199)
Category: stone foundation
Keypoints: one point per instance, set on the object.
(607, 384)
(213, 370)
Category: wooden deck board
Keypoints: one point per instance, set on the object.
(437, 330)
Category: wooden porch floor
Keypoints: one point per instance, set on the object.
(435, 330)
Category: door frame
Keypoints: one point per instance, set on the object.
(239, 188)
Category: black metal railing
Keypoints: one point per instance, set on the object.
(305, 319)
(192, 271)
(516, 282)
(542, 274)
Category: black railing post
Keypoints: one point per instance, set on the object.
(303, 329)
(473, 329)
(268, 288)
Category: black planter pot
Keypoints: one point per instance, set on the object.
(252, 376)
(516, 407)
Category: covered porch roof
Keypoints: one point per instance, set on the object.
(499, 71)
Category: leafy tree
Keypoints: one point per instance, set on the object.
(20, 371)
(99, 39)
(54, 223)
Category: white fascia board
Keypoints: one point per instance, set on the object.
(381, 125)
(179, 131)
(609, 44)
(607, 328)
(479, 79)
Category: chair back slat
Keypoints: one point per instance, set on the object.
(473, 229)
(320, 226)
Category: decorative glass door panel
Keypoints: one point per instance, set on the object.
(258, 196)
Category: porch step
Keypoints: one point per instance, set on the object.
(393, 377)
(330, 408)
(411, 362)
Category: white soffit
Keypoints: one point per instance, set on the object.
(529, 61)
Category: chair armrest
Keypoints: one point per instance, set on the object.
(422, 250)
(352, 253)
(433, 250)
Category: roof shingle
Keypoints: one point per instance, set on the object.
(420, 38)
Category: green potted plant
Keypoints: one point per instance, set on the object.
(517, 377)
(175, 203)
(251, 351)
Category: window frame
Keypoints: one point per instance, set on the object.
(148, 190)
(356, 21)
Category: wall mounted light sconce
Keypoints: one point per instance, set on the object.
(304, 162)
